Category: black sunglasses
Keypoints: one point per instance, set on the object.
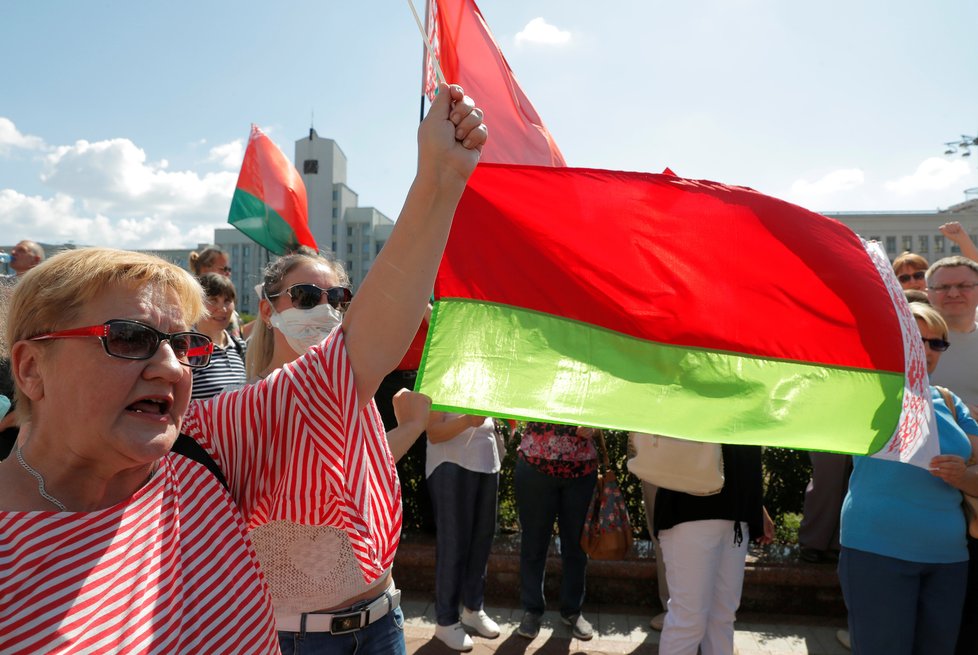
(917, 275)
(127, 339)
(307, 296)
(940, 345)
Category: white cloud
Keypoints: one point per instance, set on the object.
(114, 177)
(933, 174)
(844, 179)
(59, 219)
(107, 193)
(539, 31)
(228, 155)
(11, 137)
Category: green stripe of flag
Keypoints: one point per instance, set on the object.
(262, 224)
(482, 355)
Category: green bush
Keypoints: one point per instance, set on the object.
(786, 474)
(786, 527)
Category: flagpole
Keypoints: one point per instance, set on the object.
(424, 53)
(427, 44)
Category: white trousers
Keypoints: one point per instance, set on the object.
(706, 576)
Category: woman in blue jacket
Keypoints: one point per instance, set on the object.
(904, 560)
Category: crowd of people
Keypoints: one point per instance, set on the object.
(194, 484)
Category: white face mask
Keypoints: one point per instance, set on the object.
(305, 328)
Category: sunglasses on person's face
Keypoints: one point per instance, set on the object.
(916, 275)
(127, 339)
(940, 345)
(307, 296)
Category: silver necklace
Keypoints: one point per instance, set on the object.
(40, 482)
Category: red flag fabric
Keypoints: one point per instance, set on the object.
(269, 203)
(470, 57)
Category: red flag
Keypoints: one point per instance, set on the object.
(470, 57)
(269, 203)
(671, 306)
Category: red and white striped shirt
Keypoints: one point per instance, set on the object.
(169, 571)
(172, 570)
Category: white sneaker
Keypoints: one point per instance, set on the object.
(480, 622)
(454, 637)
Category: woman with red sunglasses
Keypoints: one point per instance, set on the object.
(113, 543)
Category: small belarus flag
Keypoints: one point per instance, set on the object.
(653, 303)
(269, 203)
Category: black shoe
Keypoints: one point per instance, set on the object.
(810, 555)
(529, 626)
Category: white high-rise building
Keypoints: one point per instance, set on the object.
(354, 234)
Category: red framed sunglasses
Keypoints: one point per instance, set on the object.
(127, 339)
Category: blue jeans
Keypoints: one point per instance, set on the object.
(464, 504)
(899, 607)
(383, 637)
(543, 499)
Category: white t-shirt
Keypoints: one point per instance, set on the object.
(474, 449)
(958, 367)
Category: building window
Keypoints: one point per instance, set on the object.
(336, 195)
(334, 230)
(366, 248)
(349, 264)
(923, 243)
(349, 230)
(334, 245)
(349, 248)
(380, 244)
(246, 250)
(890, 245)
(310, 166)
(907, 243)
(939, 244)
(336, 212)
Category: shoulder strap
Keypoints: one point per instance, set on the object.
(189, 448)
(238, 345)
(949, 401)
(599, 436)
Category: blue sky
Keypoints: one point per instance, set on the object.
(123, 123)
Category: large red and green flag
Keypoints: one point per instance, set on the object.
(470, 56)
(269, 203)
(658, 304)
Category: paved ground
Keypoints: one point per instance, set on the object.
(620, 634)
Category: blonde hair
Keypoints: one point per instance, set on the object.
(52, 295)
(930, 317)
(261, 343)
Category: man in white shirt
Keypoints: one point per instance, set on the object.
(952, 287)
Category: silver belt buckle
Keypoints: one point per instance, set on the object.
(342, 624)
